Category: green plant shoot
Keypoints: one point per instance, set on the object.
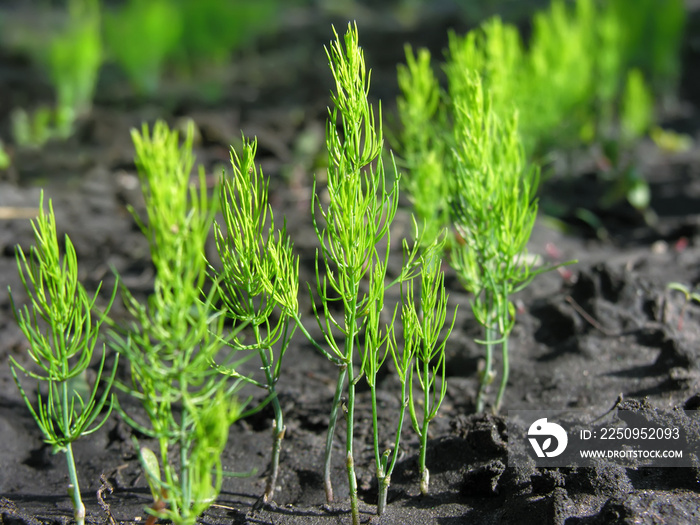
(494, 212)
(690, 295)
(423, 329)
(423, 144)
(260, 275)
(213, 29)
(356, 220)
(141, 36)
(373, 358)
(62, 337)
(32, 130)
(637, 113)
(74, 59)
(174, 338)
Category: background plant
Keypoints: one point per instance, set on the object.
(424, 150)
(194, 38)
(213, 29)
(635, 120)
(174, 337)
(72, 57)
(494, 211)
(141, 36)
(74, 60)
(568, 84)
(62, 338)
(260, 276)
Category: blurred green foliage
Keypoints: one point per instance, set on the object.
(74, 58)
(588, 73)
(186, 36)
(140, 37)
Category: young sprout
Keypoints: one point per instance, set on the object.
(176, 336)
(689, 297)
(422, 333)
(372, 360)
(356, 220)
(141, 36)
(74, 60)
(62, 337)
(421, 353)
(494, 211)
(260, 275)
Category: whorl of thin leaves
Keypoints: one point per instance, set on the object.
(494, 204)
(62, 336)
(360, 206)
(260, 270)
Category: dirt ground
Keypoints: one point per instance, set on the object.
(606, 331)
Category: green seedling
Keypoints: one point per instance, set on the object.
(260, 275)
(354, 234)
(141, 37)
(174, 338)
(378, 344)
(420, 353)
(423, 336)
(62, 337)
(32, 130)
(74, 59)
(652, 33)
(422, 142)
(690, 296)
(494, 212)
(636, 118)
(5, 160)
(213, 29)
(637, 113)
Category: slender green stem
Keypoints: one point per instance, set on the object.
(383, 478)
(424, 473)
(385, 468)
(73, 487)
(278, 427)
(504, 376)
(185, 482)
(327, 483)
(487, 373)
(350, 462)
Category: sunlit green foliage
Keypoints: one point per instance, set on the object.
(259, 280)
(494, 211)
(424, 149)
(62, 336)
(174, 338)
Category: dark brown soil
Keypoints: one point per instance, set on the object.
(604, 329)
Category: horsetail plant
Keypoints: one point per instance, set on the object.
(74, 60)
(260, 275)
(420, 354)
(494, 212)
(174, 338)
(62, 338)
(422, 142)
(422, 336)
(372, 360)
(356, 219)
